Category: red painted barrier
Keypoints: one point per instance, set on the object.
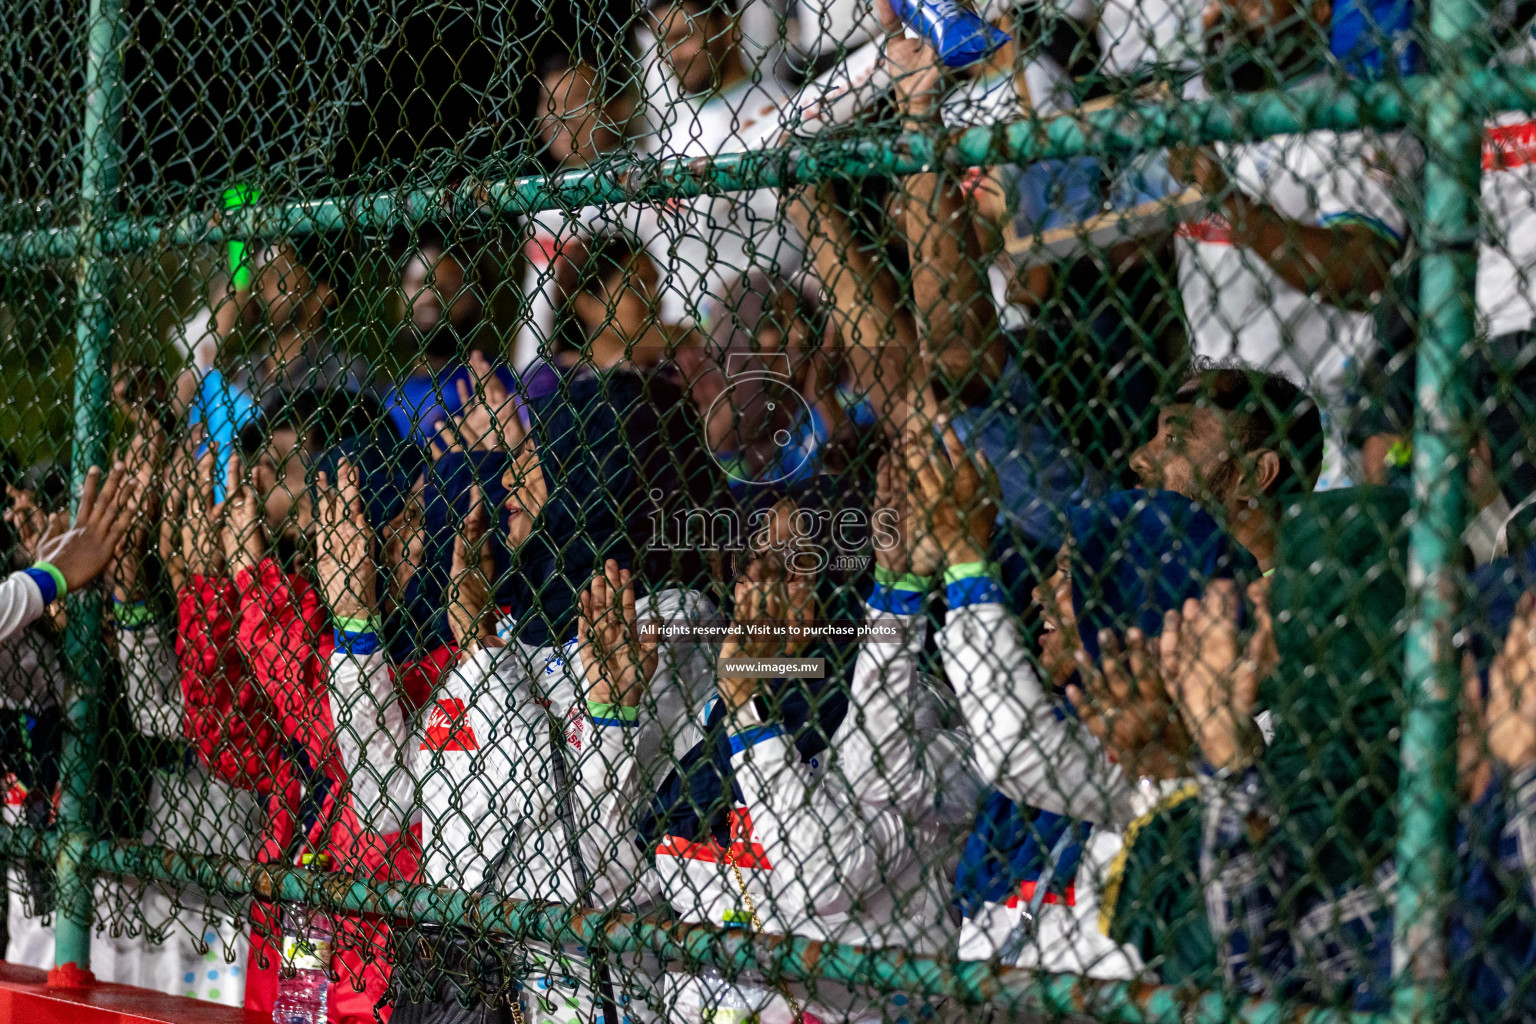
(26, 998)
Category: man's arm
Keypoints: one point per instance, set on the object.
(1342, 262)
(954, 312)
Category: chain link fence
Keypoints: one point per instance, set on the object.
(780, 510)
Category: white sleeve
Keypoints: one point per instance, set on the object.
(153, 678)
(21, 602)
(610, 783)
(374, 737)
(1360, 177)
(890, 749)
(1022, 744)
(827, 849)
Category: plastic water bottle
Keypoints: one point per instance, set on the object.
(302, 978)
(722, 1002)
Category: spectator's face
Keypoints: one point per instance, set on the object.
(574, 124)
(283, 285)
(433, 285)
(624, 300)
(695, 41)
(1190, 455)
(1253, 44)
(527, 492)
(1059, 640)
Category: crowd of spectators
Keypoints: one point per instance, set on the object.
(1125, 525)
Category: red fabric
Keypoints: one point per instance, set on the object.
(227, 718)
(417, 679)
(286, 638)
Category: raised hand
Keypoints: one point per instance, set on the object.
(202, 527)
(344, 548)
(487, 419)
(31, 524)
(955, 506)
(244, 533)
(915, 550)
(1510, 711)
(912, 63)
(142, 465)
(1123, 702)
(175, 482)
(617, 665)
(105, 513)
(405, 540)
(471, 613)
(766, 596)
(1211, 676)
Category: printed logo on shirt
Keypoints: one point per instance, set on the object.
(745, 849)
(448, 727)
(1212, 230)
(1509, 146)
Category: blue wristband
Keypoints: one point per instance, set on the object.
(971, 583)
(50, 585)
(357, 643)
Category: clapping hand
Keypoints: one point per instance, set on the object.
(956, 510)
(617, 664)
(769, 596)
(1211, 676)
(471, 613)
(142, 465)
(487, 419)
(1510, 713)
(916, 551)
(244, 534)
(344, 549)
(1123, 702)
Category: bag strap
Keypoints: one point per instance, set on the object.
(757, 924)
(1013, 945)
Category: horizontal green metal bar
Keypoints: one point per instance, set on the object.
(974, 983)
(1117, 129)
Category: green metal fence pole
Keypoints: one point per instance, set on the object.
(1120, 129)
(100, 162)
(1452, 134)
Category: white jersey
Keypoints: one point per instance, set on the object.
(1137, 34)
(707, 242)
(21, 602)
(1238, 307)
(1506, 297)
(204, 956)
(1036, 758)
(856, 845)
(488, 776)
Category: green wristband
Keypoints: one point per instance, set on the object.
(966, 571)
(902, 580)
(617, 712)
(365, 625)
(61, 588)
(132, 614)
